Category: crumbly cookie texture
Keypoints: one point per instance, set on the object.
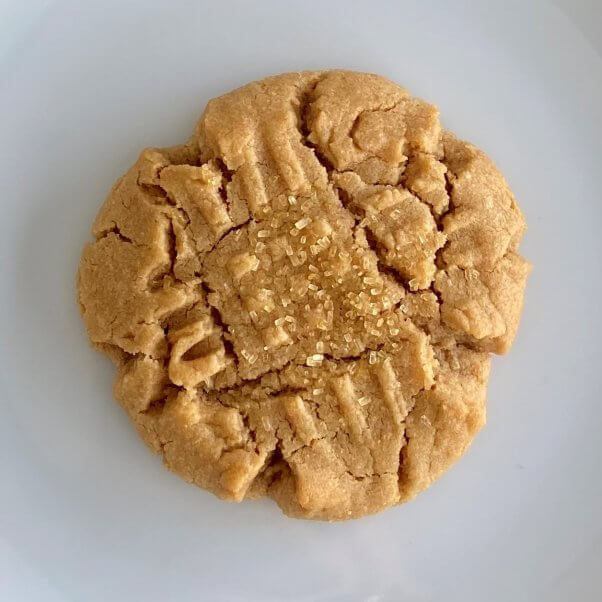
(302, 300)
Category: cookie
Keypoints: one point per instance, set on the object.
(302, 300)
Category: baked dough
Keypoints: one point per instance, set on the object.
(302, 299)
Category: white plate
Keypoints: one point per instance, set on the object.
(88, 514)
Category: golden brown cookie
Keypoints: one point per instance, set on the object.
(302, 299)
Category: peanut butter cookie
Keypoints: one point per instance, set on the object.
(302, 299)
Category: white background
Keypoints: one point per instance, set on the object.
(87, 513)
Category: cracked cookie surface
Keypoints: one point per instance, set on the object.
(302, 299)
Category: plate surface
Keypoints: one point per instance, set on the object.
(87, 513)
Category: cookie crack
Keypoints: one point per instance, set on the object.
(449, 185)
(256, 381)
(355, 124)
(406, 438)
(435, 439)
(251, 433)
(230, 232)
(382, 267)
(116, 231)
(221, 323)
(305, 100)
(157, 278)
